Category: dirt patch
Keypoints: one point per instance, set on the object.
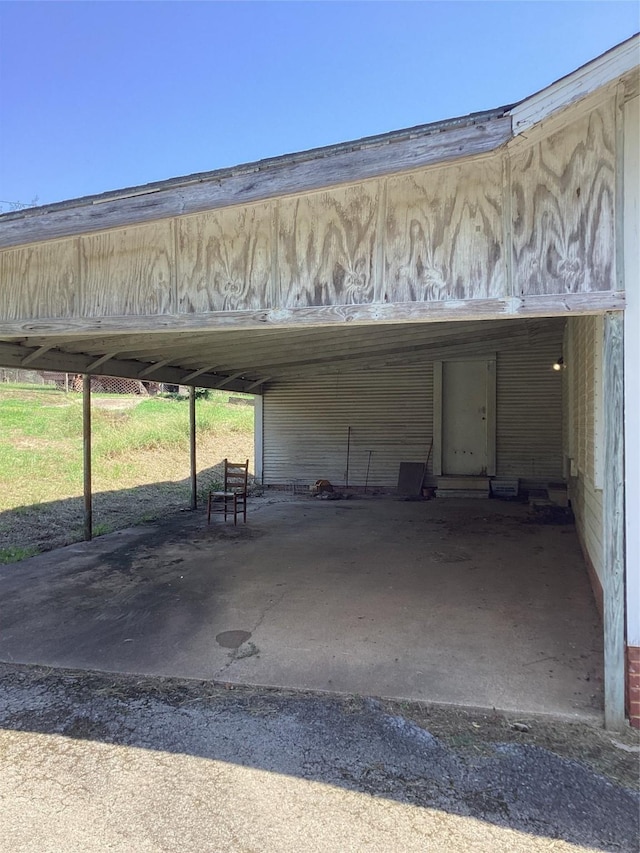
(154, 484)
(34, 443)
(614, 755)
(118, 402)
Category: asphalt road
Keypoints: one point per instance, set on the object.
(96, 762)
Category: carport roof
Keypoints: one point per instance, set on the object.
(247, 349)
(246, 360)
(306, 171)
(315, 168)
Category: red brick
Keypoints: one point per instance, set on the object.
(634, 709)
(635, 722)
(633, 659)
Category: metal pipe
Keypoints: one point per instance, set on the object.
(192, 446)
(86, 454)
(346, 478)
(366, 479)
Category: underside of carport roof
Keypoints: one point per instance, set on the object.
(246, 360)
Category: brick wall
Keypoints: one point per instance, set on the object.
(633, 685)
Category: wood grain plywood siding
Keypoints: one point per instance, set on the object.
(224, 260)
(326, 247)
(128, 271)
(444, 234)
(39, 281)
(563, 209)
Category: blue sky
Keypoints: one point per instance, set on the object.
(97, 96)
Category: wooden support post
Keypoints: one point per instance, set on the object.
(192, 446)
(86, 448)
(258, 437)
(613, 515)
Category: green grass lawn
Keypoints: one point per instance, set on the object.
(136, 445)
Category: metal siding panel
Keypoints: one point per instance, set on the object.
(390, 411)
(529, 412)
(306, 425)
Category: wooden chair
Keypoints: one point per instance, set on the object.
(234, 492)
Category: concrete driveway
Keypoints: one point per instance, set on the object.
(462, 602)
(100, 762)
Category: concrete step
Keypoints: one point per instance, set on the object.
(558, 494)
(468, 484)
(461, 493)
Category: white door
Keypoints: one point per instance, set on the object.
(465, 414)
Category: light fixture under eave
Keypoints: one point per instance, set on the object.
(559, 364)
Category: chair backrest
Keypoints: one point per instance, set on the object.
(235, 476)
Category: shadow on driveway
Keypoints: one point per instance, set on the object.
(350, 743)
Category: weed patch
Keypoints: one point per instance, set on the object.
(15, 553)
(140, 461)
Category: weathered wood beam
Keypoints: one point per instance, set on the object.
(195, 373)
(614, 521)
(228, 379)
(153, 368)
(258, 182)
(100, 361)
(547, 305)
(12, 354)
(257, 383)
(132, 346)
(575, 86)
(34, 356)
(86, 456)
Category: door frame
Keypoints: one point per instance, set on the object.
(490, 360)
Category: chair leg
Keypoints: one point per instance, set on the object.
(235, 510)
(209, 509)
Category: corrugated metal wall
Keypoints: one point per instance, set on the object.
(529, 412)
(390, 412)
(306, 423)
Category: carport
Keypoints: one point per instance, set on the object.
(348, 280)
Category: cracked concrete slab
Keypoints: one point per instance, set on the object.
(461, 602)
